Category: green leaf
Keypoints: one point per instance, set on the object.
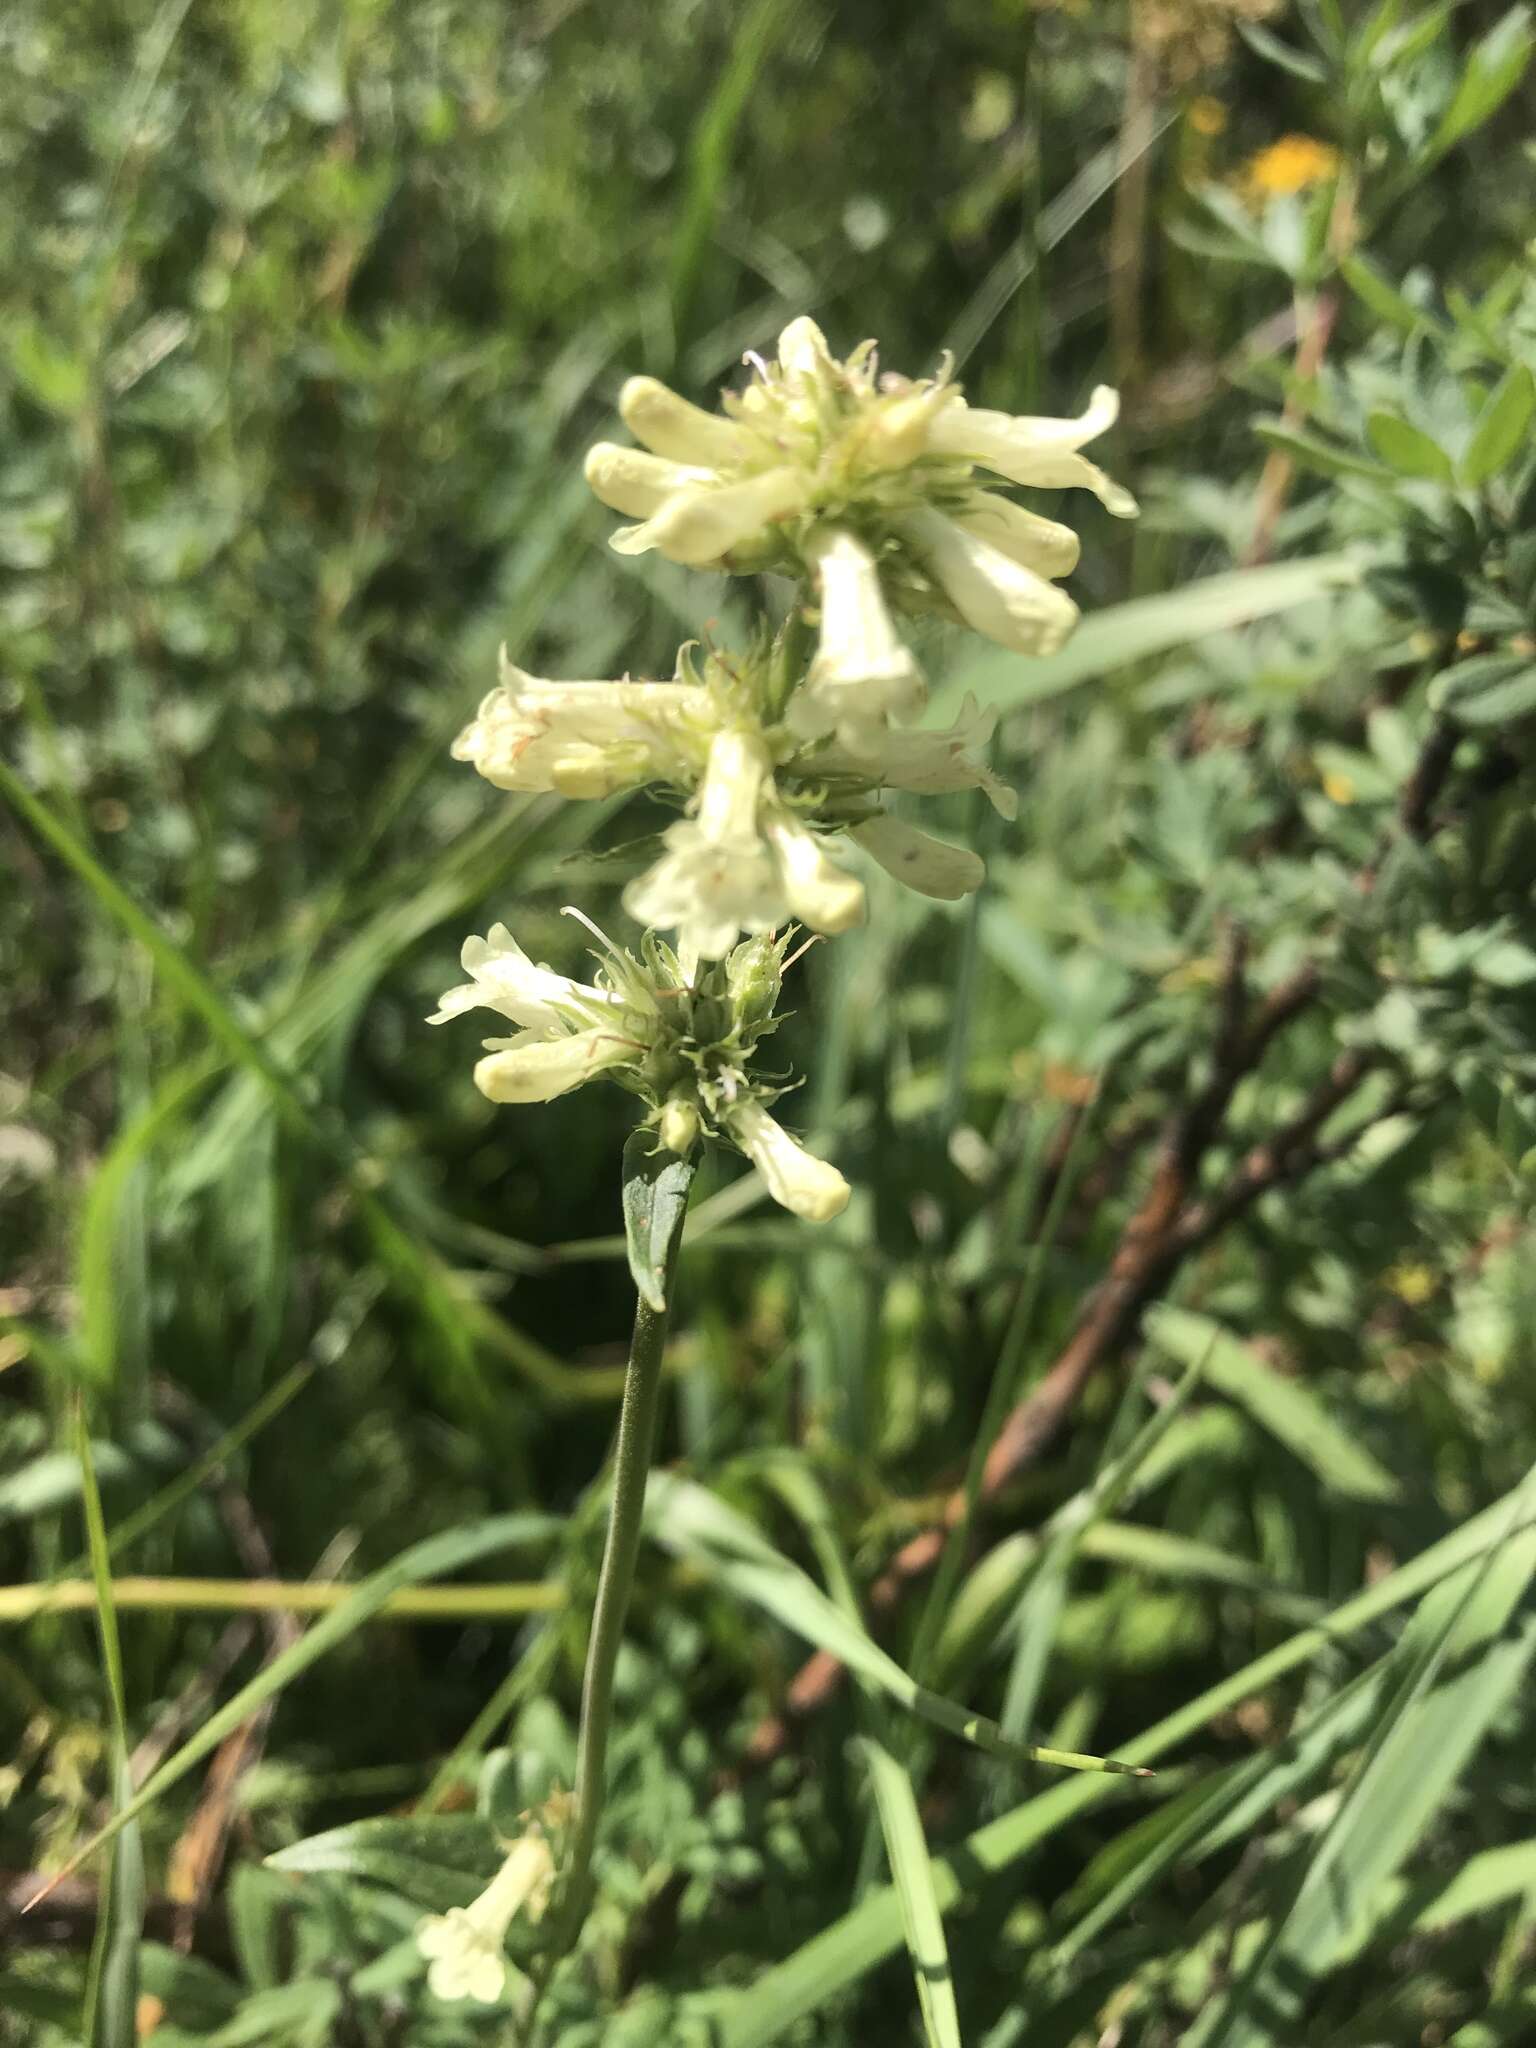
(842, 1953)
(1407, 450)
(425, 1560)
(656, 1185)
(1462, 1659)
(197, 1993)
(922, 1922)
(1502, 702)
(437, 1861)
(1468, 678)
(1383, 299)
(299, 2013)
(1325, 457)
(1300, 63)
(1147, 626)
(1501, 428)
(1491, 71)
(1291, 1412)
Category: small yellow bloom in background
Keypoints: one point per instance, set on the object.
(1207, 116)
(1289, 166)
(1412, 1284)
(1339, 789)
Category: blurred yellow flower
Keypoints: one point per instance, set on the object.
(1207, 116)
(1411, 1283)
(1289, 166)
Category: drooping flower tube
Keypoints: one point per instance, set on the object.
(466, 1946)
(743, 863)
(797, 1179)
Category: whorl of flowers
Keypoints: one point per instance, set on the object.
(682, 1042)
(877, 494)
(866, 486)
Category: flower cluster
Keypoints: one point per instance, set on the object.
(763, 799)
(683, 1044)
(866, 486)
(877, 493)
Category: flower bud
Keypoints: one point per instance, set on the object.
(753, 978)
(678, 1126)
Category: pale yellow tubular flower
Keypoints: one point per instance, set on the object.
(817, 892)
(533, 1069)
(862, 674)
(700, 524)
(718, 877)
(1043, 545)
(635, 483)
(503, 978)
(1030, 450)
(931, 866)
(929, 763)
(992, 592)
(805, 1185)
(584, 739)
(670, 426)
(465, 1946)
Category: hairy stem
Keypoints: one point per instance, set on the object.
(631, 1468)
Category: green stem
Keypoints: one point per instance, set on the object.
(631, 1469)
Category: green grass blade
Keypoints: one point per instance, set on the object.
(96, 1266)
(694, 1524)
(1464, 1658)
(855, 1944)
(1291, 1412)
(110, 2012)
(709, 152)
(1124, 633)
(921, 1920)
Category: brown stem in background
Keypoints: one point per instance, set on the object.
(1314, 326)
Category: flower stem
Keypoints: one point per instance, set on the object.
(631, 1468)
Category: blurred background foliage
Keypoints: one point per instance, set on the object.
(309, 315)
